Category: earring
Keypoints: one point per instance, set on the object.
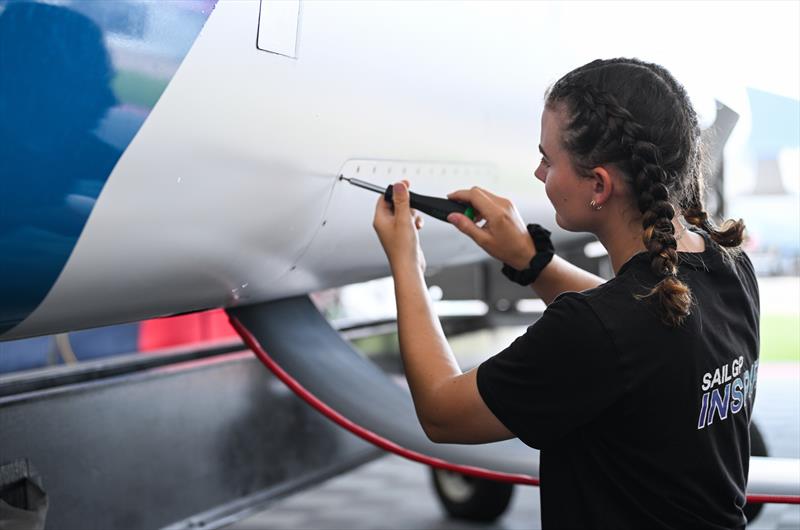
(594, 205)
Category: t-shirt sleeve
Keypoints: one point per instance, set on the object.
(747, 275)
(561, 374)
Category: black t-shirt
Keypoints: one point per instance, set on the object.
(639, 425)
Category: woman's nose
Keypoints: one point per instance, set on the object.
(540, 173)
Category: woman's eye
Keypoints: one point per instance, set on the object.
(544, 161)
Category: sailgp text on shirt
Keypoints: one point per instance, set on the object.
(726, 391)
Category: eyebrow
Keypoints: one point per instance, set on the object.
(542, 151)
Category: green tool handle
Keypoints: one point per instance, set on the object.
(434, 206)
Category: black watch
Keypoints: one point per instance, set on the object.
(544, 253)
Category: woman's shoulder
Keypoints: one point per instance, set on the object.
(637, 274)
(746, 274)
(570, 323)
(726, 265)
(587, 306)
(571, 306)
(619, 300)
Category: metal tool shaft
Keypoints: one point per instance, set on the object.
(365, 185)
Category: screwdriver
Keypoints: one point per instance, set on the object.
(433, 206)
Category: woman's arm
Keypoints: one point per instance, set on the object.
(447, 401)
(505, 237)
(561, 276)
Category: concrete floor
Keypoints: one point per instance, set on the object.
(395, 494)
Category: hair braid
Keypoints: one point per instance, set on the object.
(658, 235)
(635, 115)
(729, 235)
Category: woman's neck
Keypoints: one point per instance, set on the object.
(623, 240)
(621, 246)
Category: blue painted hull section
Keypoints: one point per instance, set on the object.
(76, 83)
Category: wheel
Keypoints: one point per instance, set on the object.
(470, 498)
(757, 448)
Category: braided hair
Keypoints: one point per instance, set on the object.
(637, 116)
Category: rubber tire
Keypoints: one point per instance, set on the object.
(485, 501)
(757, 448)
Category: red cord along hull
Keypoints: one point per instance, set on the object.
(388, 445)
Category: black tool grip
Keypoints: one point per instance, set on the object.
(433, 206)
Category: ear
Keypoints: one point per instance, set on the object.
(602, 185)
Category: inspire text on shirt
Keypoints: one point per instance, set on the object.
(720, 401)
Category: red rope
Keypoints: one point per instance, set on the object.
(388, 445)
(776, 499)
(366, 434)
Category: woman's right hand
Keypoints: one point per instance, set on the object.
(503, 235)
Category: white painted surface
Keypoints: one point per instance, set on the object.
(278, 23)
(774, 476)
(229, 179)
(225, 187)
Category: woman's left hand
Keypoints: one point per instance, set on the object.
(398, 230)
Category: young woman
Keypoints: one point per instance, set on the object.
(638, 390)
